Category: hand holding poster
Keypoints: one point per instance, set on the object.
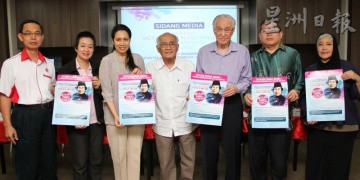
(270, 106)
(136, 99)
(72, 100)
(325, 95)
(206, 102)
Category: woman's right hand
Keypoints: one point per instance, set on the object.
(117, 122)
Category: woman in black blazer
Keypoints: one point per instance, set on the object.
(86, 142)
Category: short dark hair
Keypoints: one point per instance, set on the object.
(84, 34)
(30, 21)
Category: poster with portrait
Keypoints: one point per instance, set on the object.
(206, 103)
(72, 100)
(136, 99)
(325, 95)
(270, 106)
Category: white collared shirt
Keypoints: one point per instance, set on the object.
(25, 81)
(171, 86)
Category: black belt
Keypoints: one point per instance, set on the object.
(36, 106)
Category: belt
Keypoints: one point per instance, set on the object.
(36, 106)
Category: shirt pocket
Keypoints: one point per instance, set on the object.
(182, 87)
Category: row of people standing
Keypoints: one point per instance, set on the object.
(270, 62)
(233, 60)
(221, 57)
(171, 79)
(125, 141)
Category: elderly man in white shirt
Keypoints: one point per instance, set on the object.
(171, 79)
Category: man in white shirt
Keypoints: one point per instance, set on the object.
(26, 81)
(171, 79)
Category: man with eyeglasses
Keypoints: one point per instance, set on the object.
(26, 80)
(225, 57)
(171, 80)
(273, 59)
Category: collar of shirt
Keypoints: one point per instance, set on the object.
(78, 67)
(177, 65)
(282, 47)
(25, 56)
(231, 49)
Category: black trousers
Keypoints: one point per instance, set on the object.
(231, 140)
(35, 151)
(264, 143)
(328, 154)
(87, 150)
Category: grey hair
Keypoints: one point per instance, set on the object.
(158, 38)
(224, 16)
(324, 35)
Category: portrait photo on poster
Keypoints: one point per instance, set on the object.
(144, 95)
(332, 91)
(215, 95)
(81, 95)
(277, 99)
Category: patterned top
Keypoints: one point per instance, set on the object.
(285, 61)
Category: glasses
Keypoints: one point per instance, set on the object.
(30, 34)
(165, 45)
(226, 31)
